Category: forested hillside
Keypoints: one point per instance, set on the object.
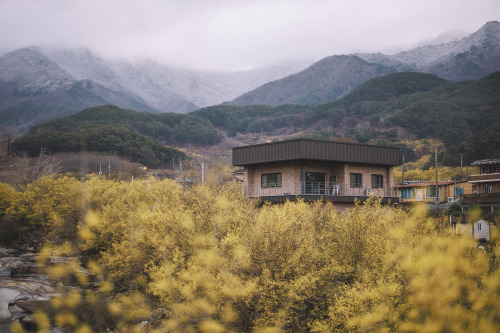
(106, 139)
(385, 110)
(325, 80)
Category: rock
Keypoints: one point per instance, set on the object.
(71, 279)
(16, 312)
(64, 260)
(30, 256)
(5, 272)
(29, 323)
(23, 269)
(34, 304)
(7, 252)
(6, 295)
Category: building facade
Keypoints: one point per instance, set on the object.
(317, 170)
(448, 191)
(485, 187)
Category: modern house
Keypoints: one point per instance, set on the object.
(449, 191)
(485, 186)
(318, 170)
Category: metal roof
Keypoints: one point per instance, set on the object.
(315, 150)
(483, 162)
(431, 183)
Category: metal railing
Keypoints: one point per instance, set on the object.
(315, 188)
(484, 177)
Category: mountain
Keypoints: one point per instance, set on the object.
(28, 74)
(166, 88)
(468, 58)
(170, 128)
(389, 109)
(41, 83)
(100, 139)
(324, 81)
(33, 88)
(62, 101)
(211, 88)
(120, 76)
(471, 57)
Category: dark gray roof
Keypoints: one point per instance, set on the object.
(316, 150)
(483, 162)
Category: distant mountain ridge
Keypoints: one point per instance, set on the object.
(32, 77)
(389, 109)
(325, 80)
(469, 58)
(40, 83)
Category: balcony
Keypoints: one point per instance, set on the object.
(317, 191)
(485, 177)
(485, 198)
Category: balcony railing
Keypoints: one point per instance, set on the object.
(484, 177)
(315, 188)
(481, 198)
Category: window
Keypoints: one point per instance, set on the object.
(356, 180)
(270, 180)
(407, 193)
(377, 181)
(315, 183)
(488, 188)
(459, 191)
(479, 226)
(430, 192)
(491, 168)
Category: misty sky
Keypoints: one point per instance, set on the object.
(236, 34)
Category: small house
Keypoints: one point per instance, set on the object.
(317, 170)
(447, 191)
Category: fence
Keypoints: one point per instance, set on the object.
(314, 188)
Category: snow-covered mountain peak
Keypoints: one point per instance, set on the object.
(33, 72)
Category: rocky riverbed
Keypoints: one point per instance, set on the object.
(24, 288)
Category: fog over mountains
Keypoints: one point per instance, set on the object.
(471, 57)
(40, 83)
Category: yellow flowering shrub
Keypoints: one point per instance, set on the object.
(206, 259)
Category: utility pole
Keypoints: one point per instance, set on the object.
(436, 165)
(461, 176)
(202, 172)
(403, 169)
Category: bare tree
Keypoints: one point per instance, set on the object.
(7, 136)
(25, 170)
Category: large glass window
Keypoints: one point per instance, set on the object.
(377, 181)
(430, 192)
(270, 180)
(491, 168)
(315, 183)
(407, 193)
(356, 180)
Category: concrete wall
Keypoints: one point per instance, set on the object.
(291, 177)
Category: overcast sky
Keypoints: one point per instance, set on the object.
(236, 34)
